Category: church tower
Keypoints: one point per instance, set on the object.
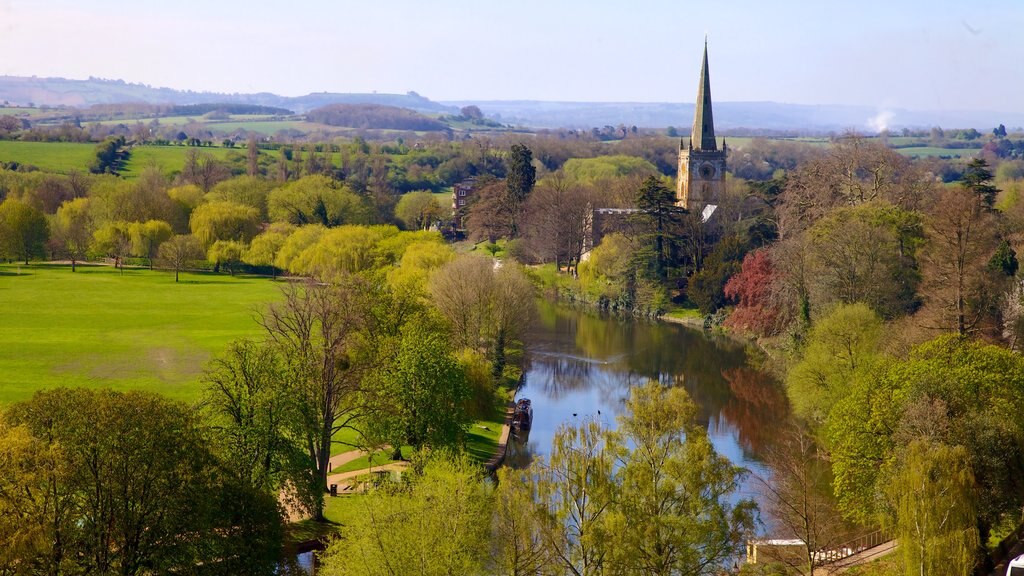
(701, 178)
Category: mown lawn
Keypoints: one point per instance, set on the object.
(99, 328)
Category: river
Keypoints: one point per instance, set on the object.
(582, 365)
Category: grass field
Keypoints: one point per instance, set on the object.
(65, 157)
(98, 328)
(60, 157)
(15, 111)
(267, 127)
(168, 158)
(927, 151)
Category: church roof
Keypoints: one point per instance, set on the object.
(703, 135)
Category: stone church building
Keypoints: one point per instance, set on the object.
(700, 180)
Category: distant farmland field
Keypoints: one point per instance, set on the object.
(265, 127)
(168, 158)
(65, 157)
(96, 327)
(61, 157)
(926, 151)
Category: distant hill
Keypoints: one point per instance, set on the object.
(83, 93)
(768, 116)
(732, 115)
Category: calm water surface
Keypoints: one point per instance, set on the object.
(582, 365)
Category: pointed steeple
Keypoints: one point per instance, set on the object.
(703, 135)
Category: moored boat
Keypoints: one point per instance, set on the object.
(522, 418)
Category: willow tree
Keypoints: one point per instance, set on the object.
(932, 495)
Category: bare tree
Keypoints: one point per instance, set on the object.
(854, 171)
(962, 238)
(252, 155)
(489, 307)
(179, 252)
(798, 497)
(555, 223)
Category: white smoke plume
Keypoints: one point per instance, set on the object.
(881, 121)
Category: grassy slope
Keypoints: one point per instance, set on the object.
(96, 327)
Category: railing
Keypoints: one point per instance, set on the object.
(828, 555)
(853, 547)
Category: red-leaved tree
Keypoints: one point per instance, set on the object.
(750, 289)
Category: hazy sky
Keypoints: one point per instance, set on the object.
(922, 55)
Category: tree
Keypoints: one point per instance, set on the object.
(247, 398)
(962, 238)
(650, 498)
(264, 247)
(841, 348)
(977, 179)
(317, 200)
(252, 157)
(866, 253)
(134, 489)
(146, 238)
(472, 112)
(519, 182)
(226, 253)
(419, 396)
(575, 494)
(518, 534)
(487, 308)
(180, 251)
(319, 329)
(73, 228)
(659, 209)
(934, 503)
(224, 221)
(950, 390)
(490, 214)
(203, 170)
(854, 171)
(671, 508)
(555, 221)
(244, 190)
(799, 499)
(418, 210)
(113, 240)
(751, 290)
(23, 231)
(32, 510)
(432, 524)
(706, 288)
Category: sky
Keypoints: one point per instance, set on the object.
(917, 55)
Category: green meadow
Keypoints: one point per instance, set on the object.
(60, 157)
(168, 158)
(65, 157)
(99, 328)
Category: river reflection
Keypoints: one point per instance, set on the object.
(582, 365)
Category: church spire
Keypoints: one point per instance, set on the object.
(703, 135)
